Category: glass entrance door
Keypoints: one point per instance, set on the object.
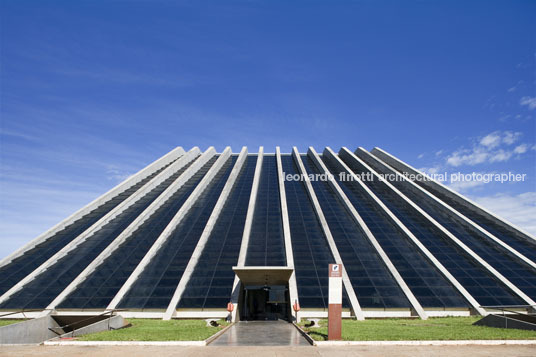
(266, 303)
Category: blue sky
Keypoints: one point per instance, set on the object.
(92, 91)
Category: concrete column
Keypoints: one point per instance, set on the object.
(123, 186)
(447, 233)
(329, 237)
(339, 163)
(433, 184)
(179, 216)
(247, 230)
(154, 182)
(206, 234)
(292, 285)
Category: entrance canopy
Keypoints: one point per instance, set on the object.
(263, 275)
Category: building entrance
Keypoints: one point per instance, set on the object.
(264, 293)
(265, 303)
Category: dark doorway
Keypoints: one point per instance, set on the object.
(265, 303)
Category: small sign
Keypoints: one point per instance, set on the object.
(335, 302)
(335, 271)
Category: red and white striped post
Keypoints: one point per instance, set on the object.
(335, 302)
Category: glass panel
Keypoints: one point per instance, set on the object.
(266, 242)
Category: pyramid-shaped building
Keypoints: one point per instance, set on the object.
(195, 231)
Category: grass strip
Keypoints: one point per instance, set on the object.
(158, 330)
(438, 328)
(8, 322)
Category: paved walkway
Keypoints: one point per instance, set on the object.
(261, 333)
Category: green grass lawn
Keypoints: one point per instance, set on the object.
(8, 322)
(439, 328)
(158, 330)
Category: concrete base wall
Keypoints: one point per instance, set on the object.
(514, 321)
(38, 330)
(113, 323)
(28, 332)
(305, 313)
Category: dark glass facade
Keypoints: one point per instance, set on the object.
(514, 271)
(212, 280)
(156, 285)
(266, 242)
(33, 258)
(512, 237)
(100, 287)
(208, 285)
(45, 287)
(310, 248)
(368, 274)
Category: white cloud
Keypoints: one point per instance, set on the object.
(19, 135)
(460, 186)
(530, 102)
(518, 209)
(420, 156)
(491, 140)
(511, 137)
(514, 88)
(521, 149)
(500, 156)
(488, 150)
(116, 174)
(468, 157)
(430, 170)
(505, 117)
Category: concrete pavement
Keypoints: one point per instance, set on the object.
(261, 333)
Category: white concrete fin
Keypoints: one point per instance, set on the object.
(154, 182)
(330, 155)
(122, 237)
(213, 219)
(354, 302)
(398, 164)
(251, 209)
(292, 284)
(179, 216)
(247, 229)
(452, 212)
(468, 250)
(472, 301)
